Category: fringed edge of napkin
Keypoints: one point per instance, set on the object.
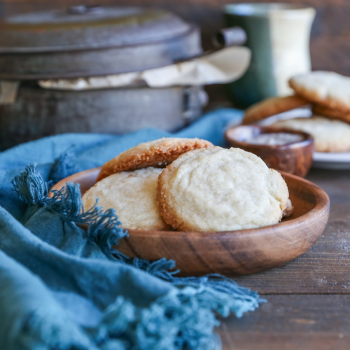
(182, 319)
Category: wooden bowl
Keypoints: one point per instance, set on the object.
(233, 252)
(294, 158)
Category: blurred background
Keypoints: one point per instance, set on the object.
(35, 111)
(330, 37)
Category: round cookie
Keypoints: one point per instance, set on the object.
(133, 195)
(158, 153)
(331, 113)
(270, 107)
(220, 189)
(330, 135)
(328, 89)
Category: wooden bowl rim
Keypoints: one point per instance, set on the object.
(322, 203)
(307, 141)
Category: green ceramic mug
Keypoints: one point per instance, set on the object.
(278, 36)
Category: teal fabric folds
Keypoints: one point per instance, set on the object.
(65, 288)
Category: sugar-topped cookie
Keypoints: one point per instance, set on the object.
(158, 153)
(220, 189)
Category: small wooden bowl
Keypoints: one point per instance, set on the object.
(234, 252)
(294, 158)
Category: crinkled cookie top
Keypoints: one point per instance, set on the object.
(220, 189)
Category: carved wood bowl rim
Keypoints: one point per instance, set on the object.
(307, 227)
(304, 143)
(293, 157)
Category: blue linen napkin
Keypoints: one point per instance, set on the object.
(64, 288)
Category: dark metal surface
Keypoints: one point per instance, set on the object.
(69, 64)
(110, 26)
(39, 112)
(89, 41)
(85, 41)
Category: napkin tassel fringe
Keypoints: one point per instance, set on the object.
(164, 269)
(30, 186)
(104, 227)
(183, 318)
(63, 166)
(161, 268)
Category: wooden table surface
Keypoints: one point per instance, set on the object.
(308, 300)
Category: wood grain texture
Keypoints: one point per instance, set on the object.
(291, 322)
(294, 158)
(325, 268)
(234, 252)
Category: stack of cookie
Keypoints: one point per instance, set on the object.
(329, 95)
(188, 184)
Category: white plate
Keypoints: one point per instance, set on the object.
(339, 160)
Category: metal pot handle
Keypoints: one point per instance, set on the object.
(194, 99)
(230, 37)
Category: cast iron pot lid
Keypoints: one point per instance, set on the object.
(50, 44)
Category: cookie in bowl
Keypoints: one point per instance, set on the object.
(158, 153)
(133, 195)
(220, 189)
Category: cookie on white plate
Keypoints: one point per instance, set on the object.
(220, 189)
(272, 106)
(330, 135)
(133, 195)
(331, 113)
(328, 89)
